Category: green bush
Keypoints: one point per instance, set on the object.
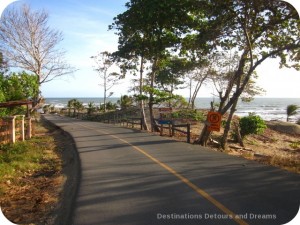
(252, 124)
(189, 114)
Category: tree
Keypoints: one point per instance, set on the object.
(104, 64)
(225, 64)
(72, 104)
(291, 110)
(146, 30)
(20, 86)
(197, 77)
(3, 65)
(17, 86)
(125, 101)
(171, 73)
(258, 30)
(91, 108)
(30, 44)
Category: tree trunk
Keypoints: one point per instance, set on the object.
(142, 106)
(190, 94)
(143, 115)
(154, 127)
(104, 100)
(197, 88)
(204, 136)
(228, 125)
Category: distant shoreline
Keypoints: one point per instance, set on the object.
(268, 108)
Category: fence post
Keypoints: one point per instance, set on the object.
(22, 128)
(28, 132)
(161, 129)
(12, 129)
(188, 133)
(173, 129)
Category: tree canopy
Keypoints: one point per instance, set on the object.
(255, 29)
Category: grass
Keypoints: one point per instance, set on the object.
(31, 177)
(291, 164)
(295, 145)
(26, 158)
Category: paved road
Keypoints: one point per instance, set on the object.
(132, 177)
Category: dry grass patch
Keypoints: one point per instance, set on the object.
(30, 178)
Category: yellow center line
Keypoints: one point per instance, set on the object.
(200, 191)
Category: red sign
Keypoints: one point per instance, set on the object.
(214, 121)
(165, 109)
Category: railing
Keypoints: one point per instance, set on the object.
(172, 126)
(135, 121)
(187, 132)
(14, 128)
(130, 118)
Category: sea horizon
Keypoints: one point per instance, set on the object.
(266, 107)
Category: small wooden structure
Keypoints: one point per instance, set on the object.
(13, 127)
(12, 104)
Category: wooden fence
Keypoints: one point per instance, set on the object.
(132, 119)
(173, 125)
(15, 128)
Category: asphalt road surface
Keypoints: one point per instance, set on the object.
(136, 178)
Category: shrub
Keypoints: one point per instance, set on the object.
(252, 124)
(189, 114)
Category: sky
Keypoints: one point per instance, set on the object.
(85, 29)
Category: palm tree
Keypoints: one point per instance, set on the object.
(71, 105)
(290, 111)
(78, 106)
(125, 101)
(91, 108)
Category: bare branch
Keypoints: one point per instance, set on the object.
(27, 42)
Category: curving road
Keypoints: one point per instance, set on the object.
(136, 178)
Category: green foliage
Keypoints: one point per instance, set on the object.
(295, 145)
(75, 105)
(178, 102)
(291, 110)
(252, 124)
(91, 108)
(28, 157)
(148, 28)
(171, 72)
(189, 114)
(17, 86)
(109, 106)
(125, 101)
(21, 156)
(158, 95)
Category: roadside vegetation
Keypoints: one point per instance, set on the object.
(31, 178)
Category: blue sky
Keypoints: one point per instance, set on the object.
(85, 28)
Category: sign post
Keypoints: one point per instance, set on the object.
(214, 121)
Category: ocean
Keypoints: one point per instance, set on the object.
(267, 108)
